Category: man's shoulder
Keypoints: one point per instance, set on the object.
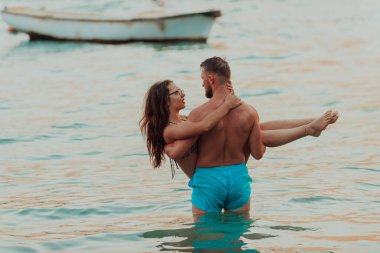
(247, 108)
(197, 112)
(246, 112)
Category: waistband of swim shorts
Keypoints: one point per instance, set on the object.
(223, 167)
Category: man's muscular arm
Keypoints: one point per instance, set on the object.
(255, 141)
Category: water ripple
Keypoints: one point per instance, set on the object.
(290, 228)
(91, 153)
(360, 168)
(49, 157)
(62, 213)
(260, 93)
(72, 126)
(89, 138)
(332, 103)
(256, 57)
(315, 199)
(120, 76)
(6, 141)
(18, 249)
(257, 236)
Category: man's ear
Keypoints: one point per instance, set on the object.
(211, 79)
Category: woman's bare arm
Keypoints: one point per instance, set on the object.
(180, 148)
(189, 129)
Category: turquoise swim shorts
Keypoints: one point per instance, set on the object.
(222, 187)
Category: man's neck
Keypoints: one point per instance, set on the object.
(219, 93)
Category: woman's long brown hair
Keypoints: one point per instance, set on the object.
(155, 118)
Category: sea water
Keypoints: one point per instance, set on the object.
(74, 171)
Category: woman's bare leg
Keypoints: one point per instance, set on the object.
(284, 124)
(279, 137)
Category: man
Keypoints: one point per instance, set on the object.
(221, 179)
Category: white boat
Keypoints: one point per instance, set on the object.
(43, 24)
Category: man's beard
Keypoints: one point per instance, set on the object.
(208, 93)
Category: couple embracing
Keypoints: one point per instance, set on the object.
(214, 142)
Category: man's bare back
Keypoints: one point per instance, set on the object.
(221, 179)
(226, 143)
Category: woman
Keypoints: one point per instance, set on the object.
(168, 131)
(160, 122)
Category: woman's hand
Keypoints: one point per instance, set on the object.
(233, 101)
(230, 87)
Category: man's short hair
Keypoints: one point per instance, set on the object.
(217, 66)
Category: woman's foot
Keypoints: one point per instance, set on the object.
(334, 117)
(316, 127)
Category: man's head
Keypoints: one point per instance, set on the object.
(214, 71)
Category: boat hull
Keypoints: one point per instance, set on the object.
(186, 27)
